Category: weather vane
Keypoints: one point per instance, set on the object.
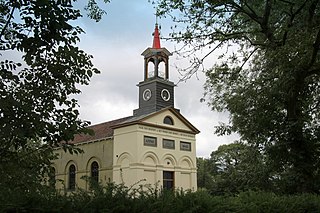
(156, 14)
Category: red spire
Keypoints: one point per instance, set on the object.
(156, 38)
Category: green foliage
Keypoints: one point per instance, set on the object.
(94, 11)
(205, 173)
(234, 168)
(267, 76)
(23, 175)
(118, 198)
(239, 167)
(41, 68)
(36, 97)
(26, 168)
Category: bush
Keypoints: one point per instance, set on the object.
(119, 198)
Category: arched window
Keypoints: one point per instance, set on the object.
(72, 177)
(168, 120)
(95, 171)
(151, 68)
(162, 69)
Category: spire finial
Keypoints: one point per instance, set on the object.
(156, 19)
(156, 37)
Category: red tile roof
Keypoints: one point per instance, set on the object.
(101, 131)
(105, 130)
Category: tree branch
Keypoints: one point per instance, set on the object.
(247, 58)
(267, 11)
(312, 9)
(262, 21)
(251, 14)
(290, 23)
(315, 51)
(313, 72)
(248, 6)
(194, 67)
(7, 23)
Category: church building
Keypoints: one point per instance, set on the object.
(156, 146)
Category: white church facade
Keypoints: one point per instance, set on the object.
(156, 146)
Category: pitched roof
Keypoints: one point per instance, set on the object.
(105, 130)
(101, 131)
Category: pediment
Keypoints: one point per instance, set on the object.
(156, 119)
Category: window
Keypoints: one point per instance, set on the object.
(150, 141)
(168, 144)
(168, 120)
(151, 68)
(185, 146)
(162, 68)
(95, 171)
(72, 177)
(168, 180)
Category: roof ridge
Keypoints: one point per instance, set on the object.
(101, 131)
(124, 118)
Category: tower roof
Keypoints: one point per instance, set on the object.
(156, 38)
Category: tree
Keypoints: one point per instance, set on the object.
(204, 173)
(239, 167)
(25, 173)
(38, 108)
(267, 75)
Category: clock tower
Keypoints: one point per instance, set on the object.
(156, 147)
(155, 91)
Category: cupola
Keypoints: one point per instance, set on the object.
(155, 56)
(155, 91)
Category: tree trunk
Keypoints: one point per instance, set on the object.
(301, 155)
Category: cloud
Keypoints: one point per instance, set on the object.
(116, 44)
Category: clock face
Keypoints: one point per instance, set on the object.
(146, 94)
(165, 95)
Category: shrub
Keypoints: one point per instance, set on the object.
(141, 198)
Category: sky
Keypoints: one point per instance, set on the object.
(116, 43)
